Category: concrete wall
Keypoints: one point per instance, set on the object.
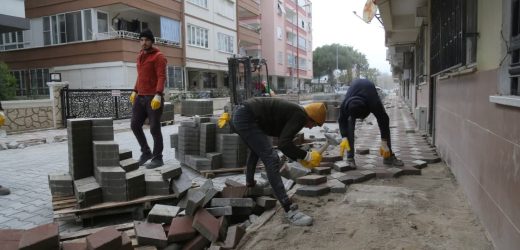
(481, 142)
(27, 115)
(109, 75)
(13, 8)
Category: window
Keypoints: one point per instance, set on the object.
(225, 43)
(279, 33)
(514, 69)
(174, 80)
(453, 35)
(302, 63)
(170, 30)
(72, 27)
(102, 20)
(11, 40)
(302, 43)
(31, 82)
(201, 3)
(291, 38)
(209, 80)
(280, 57)
(281, 9)
(197, 36)
(226, 9)
(291, 62)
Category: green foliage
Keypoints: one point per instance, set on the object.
(7, 83)
(324, 62)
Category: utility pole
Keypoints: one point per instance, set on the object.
(298, 44)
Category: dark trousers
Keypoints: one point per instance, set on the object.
(244, 123)
(140, 111)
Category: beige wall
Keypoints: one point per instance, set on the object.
(489, 52)
(27, 115)
(481, 142)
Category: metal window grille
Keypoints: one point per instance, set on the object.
(514, 69)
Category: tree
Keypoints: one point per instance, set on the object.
(7, 83)
(324, 60)
(372, 74)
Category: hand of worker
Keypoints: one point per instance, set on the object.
(344, 145)
(384, 150)
(2, 118)
(312, 159)
(156, 102)
(224, 118)
(132, 97)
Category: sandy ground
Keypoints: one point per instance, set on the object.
(411, 212)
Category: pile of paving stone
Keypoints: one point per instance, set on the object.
(201, 145)
(192, 107)
(99, 171)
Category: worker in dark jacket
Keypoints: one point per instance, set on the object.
(361, 100)
(259, 118)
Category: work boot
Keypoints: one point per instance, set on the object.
(4, 191)
(351, 162)
(144, 158)
(155, 163)
(298, 218)
(392, 160)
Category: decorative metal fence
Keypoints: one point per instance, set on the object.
(95, 103)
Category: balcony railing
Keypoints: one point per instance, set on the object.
(123, 34)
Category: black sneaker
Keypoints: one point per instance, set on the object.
(392, 160)
(144, 158)
(154, 163)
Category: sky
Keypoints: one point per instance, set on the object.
(333, 21)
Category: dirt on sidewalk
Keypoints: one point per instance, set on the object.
(411, 212)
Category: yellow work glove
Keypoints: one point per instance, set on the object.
(2, 118)
(224, 118)
(156, 102)
(344, 145)
(384, 150)
(132, 97)
(312, 159)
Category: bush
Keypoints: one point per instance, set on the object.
(7, 83)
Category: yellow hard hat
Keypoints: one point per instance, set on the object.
(317, 112)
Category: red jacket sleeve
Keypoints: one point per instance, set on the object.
(160, 69)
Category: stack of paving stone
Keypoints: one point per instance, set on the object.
(168, 113)
(99, 171)
(195, 144)
(188, 140)
(233, 149)
(191, 107)
(332, 101)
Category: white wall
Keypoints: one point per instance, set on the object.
(213, 13)
(13, 8)
(110, 75)
(35, 34)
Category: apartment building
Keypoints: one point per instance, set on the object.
(287, 42)
(457, 63)
(93, 44)
(211, 37)
(12, 19)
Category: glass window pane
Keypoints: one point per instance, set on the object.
(102, 19)
(87, 14)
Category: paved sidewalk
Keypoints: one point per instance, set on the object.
(25, 171)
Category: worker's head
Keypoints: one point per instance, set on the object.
(146, 39)
(316, 112)
(358, 109)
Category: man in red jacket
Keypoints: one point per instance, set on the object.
(147, 99)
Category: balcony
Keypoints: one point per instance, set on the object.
(248, 8)
(248, 35)
(116, 46)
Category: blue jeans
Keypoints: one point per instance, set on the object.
(244, 123)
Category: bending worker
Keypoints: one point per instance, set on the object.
(361, 100)
(259, 118)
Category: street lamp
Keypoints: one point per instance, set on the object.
(298, 44)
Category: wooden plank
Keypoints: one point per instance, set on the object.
(86, 232)
(106, 205)
(64, 201)
(60, 198)
(64, 206)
